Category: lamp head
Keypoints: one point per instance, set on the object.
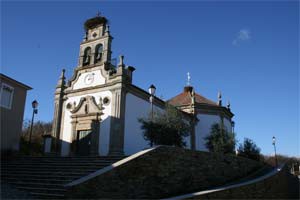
(152, 89)
(273, 140)
(34, 104)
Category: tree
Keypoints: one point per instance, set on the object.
(166, 128)
(38, 129)
(249, 150)
(220, 140)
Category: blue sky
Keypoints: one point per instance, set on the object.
(247, 50)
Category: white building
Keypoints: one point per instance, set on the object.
(96, 111)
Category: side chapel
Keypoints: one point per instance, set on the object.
(96, 111)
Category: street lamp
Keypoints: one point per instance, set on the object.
(35, 111)
(151, 90)
(273, 142)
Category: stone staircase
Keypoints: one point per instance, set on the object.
(45, 177)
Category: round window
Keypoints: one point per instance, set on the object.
(69, 106)
(94, 34)
(106, 101)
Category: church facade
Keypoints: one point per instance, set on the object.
(97, 109)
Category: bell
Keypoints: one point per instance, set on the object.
(87, 59)
(99, 55)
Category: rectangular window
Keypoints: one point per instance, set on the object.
(6, 96)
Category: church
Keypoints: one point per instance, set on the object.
(96, 111)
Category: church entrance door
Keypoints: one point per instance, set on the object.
(84, 142)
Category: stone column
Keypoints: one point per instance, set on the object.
(116, 146)
(59, 95)
(95, 137)
(73, 145)
(106, 55)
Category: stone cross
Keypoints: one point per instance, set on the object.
(188, 79)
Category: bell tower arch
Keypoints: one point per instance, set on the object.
(96, 45)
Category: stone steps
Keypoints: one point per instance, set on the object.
(37, 176)
(45, 177)
(39, 180)
(65, 172)
(40, 195)
(53, 168)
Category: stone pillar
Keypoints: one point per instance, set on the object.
(73, 145)
(116, 146)
(59, 95)
(92, 56)
(95, 137)
(107, 50)
(47, 143)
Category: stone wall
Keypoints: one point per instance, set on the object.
(164, 172)
(282, 185)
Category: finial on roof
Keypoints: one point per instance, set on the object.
(193, 96)
(219, 98)
(62, 73)
(121, 61)
(188, 79)
(228, 105)
(61, 80)
(98, 13)
(107, 28)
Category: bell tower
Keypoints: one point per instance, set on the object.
(95, 49)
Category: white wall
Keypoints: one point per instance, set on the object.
(135, 108)
(227, 125)
(203, 129)
(138, 108)
(66, 134)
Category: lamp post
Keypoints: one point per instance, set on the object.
(35, 111)
(151, 90)
(273, 142)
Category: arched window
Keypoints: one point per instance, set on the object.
(87, 56)
(98, 53)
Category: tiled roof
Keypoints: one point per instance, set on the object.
(185, 98)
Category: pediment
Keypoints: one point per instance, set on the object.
(87, 77)
(86, 106)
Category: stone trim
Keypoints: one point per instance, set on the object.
(86, 116)
(98, 88)
(62, 122)
(207, 109)
(98, 38)
(215, 108)
(195, 194)
(109, 168)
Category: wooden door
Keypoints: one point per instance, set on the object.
(84, 142)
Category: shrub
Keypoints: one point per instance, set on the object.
(220, 140)
(166, 128)
(249, 150)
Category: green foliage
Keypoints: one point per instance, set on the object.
(220, 140)
(249, 150)
(166, 128)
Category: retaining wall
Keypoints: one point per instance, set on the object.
(164, 172)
